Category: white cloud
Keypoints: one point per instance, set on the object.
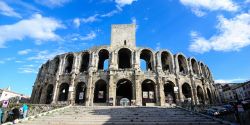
(90, 19)
(8, 11)
(230, 80)
(111, 13)
(122, 3)
(77, 22)
(78, 37)
(158, 46)
(233, 35)
(199, 6)
(134, 21)
(37, 27)
(24, 52)
(45, 55)
(28, 69)
(52, 3)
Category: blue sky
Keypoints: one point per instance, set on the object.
(216, 32)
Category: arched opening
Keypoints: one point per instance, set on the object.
(80, 93)
(186, 91)
(166, 61)
(57, 62)
(103, 56)
(49, 94)
(124, 58)
(203, 70)
(63, 92)
(84, 62)
(209, 96)
(123, 90)
(194, 66)
(100, 93)
(147, 56)
(40, 94)
(69, 63)
(208, 73)
(169, 92)
(182, 64)
(148, 92)
(200, 95)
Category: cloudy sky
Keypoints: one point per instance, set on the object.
(216, 32)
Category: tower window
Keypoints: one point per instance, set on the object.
(125, 42)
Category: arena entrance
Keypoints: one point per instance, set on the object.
(49, 94)
(80, 93)
(200, 95)
(148, 93)
(169, 93)
(186, 91)
(100, 94)
(124, 92)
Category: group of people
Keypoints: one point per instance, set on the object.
(15, 113)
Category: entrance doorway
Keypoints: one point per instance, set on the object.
(148, 92)
(123, 91)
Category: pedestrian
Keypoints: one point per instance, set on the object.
(16, 115)
(1, 115)
(25, 110)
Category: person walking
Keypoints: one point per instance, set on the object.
(25, 110)
(1, 115)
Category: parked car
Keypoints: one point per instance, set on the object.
(220, 109)
(229, 107)
(212, 112)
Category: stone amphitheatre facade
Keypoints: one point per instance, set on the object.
(105, 75)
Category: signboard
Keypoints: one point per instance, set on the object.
(81, 94)
(145, 94)
(5, 103)
(100, 95)
(71, 89)
(175, 89)
(151, 95)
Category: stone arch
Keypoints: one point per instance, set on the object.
(84, 61)
(124, 89)
(195, 66)
(148, 56)
(200, 95)
(103, 57)
(209, 96)
(39, 94)
(182, 64)
(186, 91)
(63, 92)
(148, 92)
(49, 94)
(124, 58)
(167, 61)
(209, 76)
(56, 64)
(100, 93)
(69, 63)
(169, 92)
(203, 70)
(80, 92)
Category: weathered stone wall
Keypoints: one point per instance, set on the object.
(61, 76)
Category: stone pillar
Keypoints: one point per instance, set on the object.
(138, 93)
(112, 89)
(72, 90)
(56, 85)
(193, 85)
(88, 96)
(179, 98)
(161, 91)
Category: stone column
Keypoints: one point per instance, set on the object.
(161, 91)
(138, 93)
(59, 72)
(88, 96)
(193, 85)
(112, 88)
(179, 98)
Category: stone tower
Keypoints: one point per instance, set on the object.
(123, 35)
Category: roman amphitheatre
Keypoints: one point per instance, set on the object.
(112, 75)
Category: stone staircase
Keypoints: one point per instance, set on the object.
(80, 115)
